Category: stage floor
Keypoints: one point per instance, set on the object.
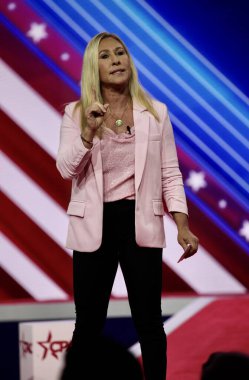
(195, 327)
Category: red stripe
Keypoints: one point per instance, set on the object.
(35, 244)
(33, 160)
(39, 76)
(10, 289)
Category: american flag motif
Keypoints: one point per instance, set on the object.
(42, 43)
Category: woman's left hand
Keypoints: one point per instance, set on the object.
(185, 238)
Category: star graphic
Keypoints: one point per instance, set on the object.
(244, 231)
(37, 32)
(54, 347)
(46, 345)
(65, 56)
(11, 6)
(196, 180)
(222, 203)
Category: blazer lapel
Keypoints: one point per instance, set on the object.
(141, 122)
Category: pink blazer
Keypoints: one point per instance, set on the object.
(158, 180)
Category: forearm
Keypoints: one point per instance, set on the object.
(72, 159)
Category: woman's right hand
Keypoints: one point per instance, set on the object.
(95, 115)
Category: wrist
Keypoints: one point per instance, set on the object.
(183, 229)
(181, 220)
(87, 143)
(88, 133)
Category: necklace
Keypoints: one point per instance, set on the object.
(119, 122)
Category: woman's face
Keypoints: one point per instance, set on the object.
(114, 63)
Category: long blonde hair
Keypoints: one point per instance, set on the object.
(90, 80)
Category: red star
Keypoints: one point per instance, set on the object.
(54, 346)
(46, 345)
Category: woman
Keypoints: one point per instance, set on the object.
(117, 147)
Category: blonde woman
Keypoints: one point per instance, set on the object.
(117, 147)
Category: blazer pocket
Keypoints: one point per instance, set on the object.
(156, 137)
(76, 208)
(158, 207)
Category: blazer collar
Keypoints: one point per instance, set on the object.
(138, 107)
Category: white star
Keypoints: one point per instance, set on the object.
(222, 203)
(37, 32)
(244, 231)
(11, 6)
(196, 180)
(65, 56)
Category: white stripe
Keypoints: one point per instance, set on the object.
(201, 272)
(186, 313)
(34, 201)
(201, 58)
(176, 77)
(28, 274)
(29, 110)
(91, 20)
(179, 318)
(214, 157)
(68, 20)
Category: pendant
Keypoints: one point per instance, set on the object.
(119, 122)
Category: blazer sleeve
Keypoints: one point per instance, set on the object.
(72, 154)
(172, 182)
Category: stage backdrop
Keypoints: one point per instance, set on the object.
(191, 55)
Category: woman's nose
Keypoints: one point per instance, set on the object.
(115, 60)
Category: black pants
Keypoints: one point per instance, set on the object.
(94, 274)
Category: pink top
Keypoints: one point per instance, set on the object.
(118, 159)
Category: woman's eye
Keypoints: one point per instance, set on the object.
(103, 56)
(121, 52)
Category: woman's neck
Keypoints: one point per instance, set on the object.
(116, 99)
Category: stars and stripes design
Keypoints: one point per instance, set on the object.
(42, 43)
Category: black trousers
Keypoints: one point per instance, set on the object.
(94, 274)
